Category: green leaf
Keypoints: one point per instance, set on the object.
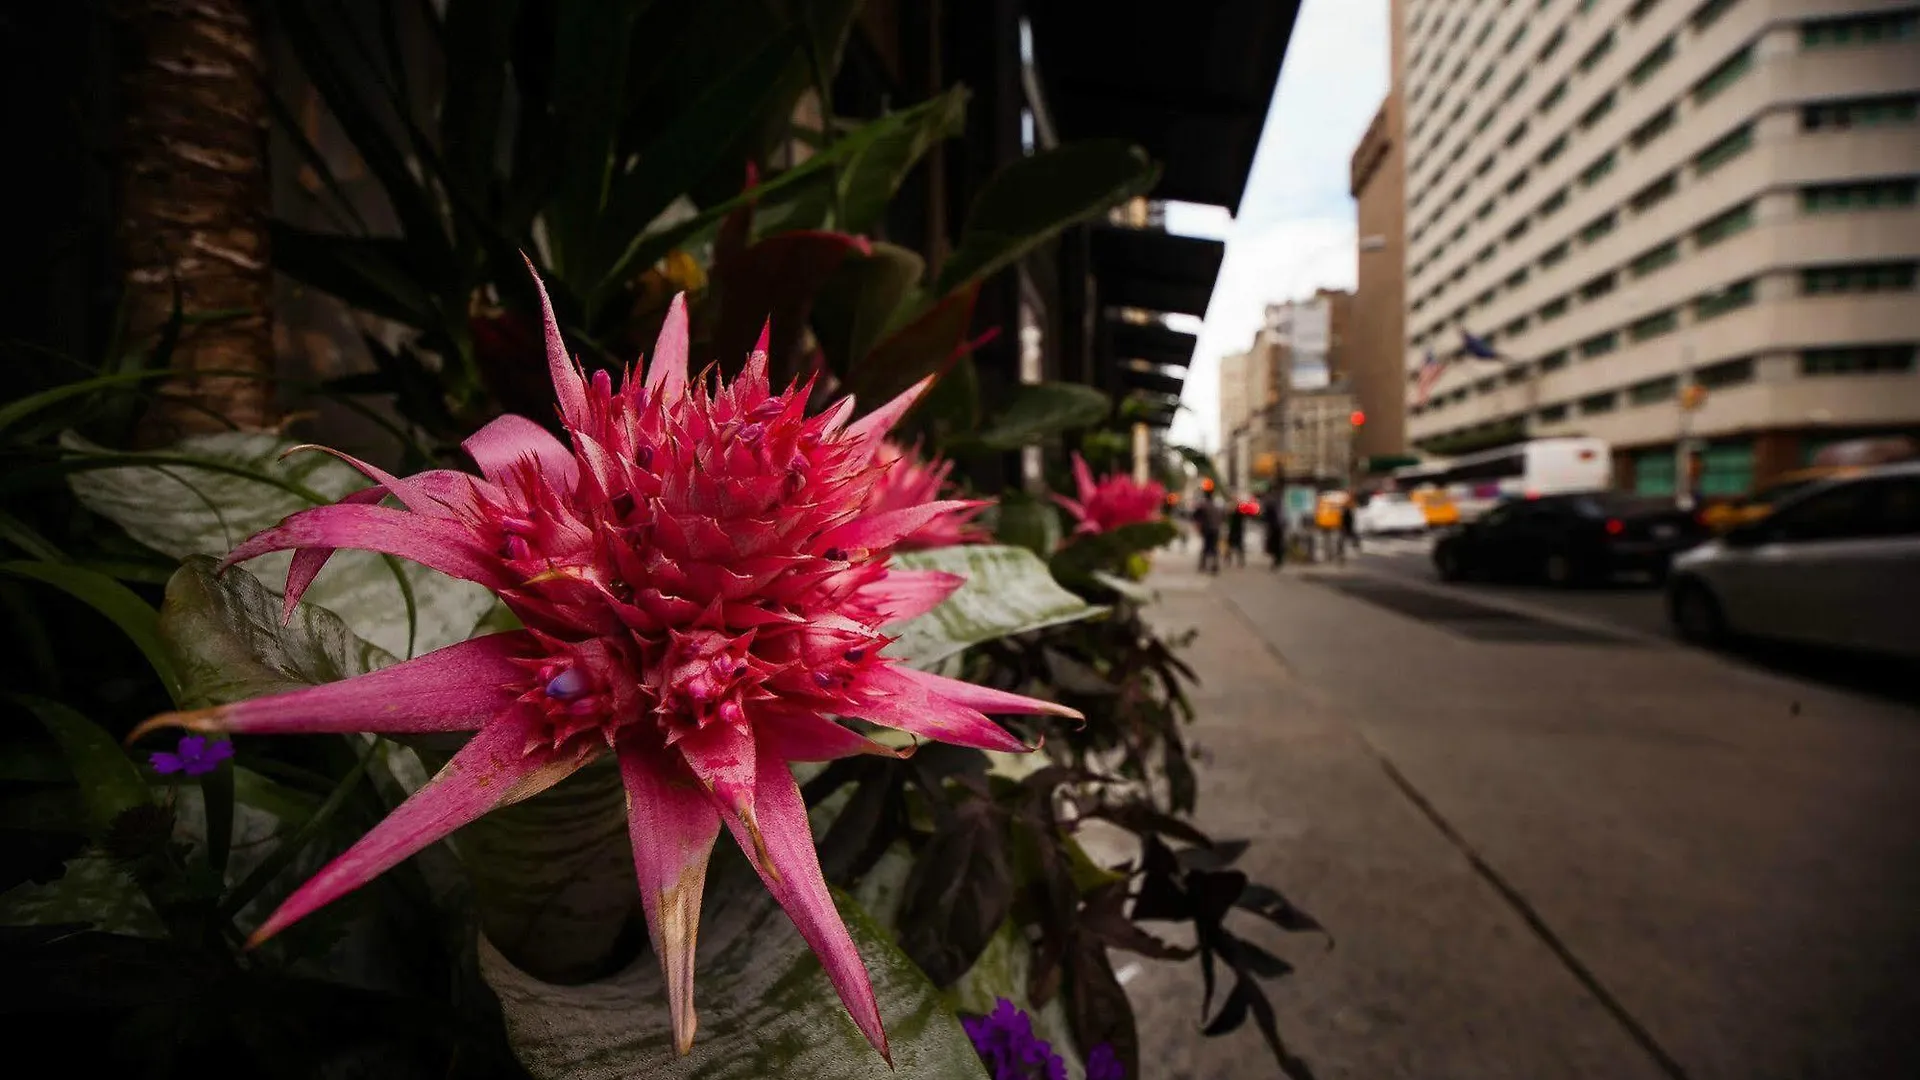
(369, 273)
(1037, 410)
(110, 782)
(111, 599)
(1028, 522)
(931, 342)
(95, 890)
(1034, 198)
(225, 635)
(870, 182)
(857, 302)
(1008, 591)
(1002, 972)
(766, 1008)
(1126, 587)
(1075, 563)
(182, 510)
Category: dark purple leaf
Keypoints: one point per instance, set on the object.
(959, 892)
(1278, 910)
(1097, 1007)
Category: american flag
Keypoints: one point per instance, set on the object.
(1430, 373)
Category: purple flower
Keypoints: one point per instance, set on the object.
(195, 756)
(1005, 1041)
(1104, 1064)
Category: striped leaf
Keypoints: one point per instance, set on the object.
(1008, 591)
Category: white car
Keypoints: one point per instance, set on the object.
(1837, 565)
(1390, 513)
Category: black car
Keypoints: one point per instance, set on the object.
(1569, 539)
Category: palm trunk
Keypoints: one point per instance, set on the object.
(193, 203)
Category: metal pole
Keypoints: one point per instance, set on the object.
(1683, 444)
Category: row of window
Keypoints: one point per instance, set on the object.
(1837, 360)
(1863, 112)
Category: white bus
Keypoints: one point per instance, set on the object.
(1526, 470)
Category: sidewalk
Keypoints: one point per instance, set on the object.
(1732, 860)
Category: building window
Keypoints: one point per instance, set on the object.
(1652, 62)
(1597, 111)
(1516, 327)
(1552, 256)
(1485, 121)
(1519, 132)
(1599, 403)
(1595, 172)
(1552, 310)
(1653, 471)
(1647, 262)
(1553, 361)
(1653, 194)
(1860, 278)
(1655, 126)
(1598, 227)
(1724, 149)
(1717, 303)
(1719, 228)
(1485, 211)
(1484, 299)
(1723, 76)
(1726, 468)
(1870, 195)
(1553, 150)
(1860, 29)
(1552, 46)
(1860, 112)
(1519, 35)
(1653, 390)
(1518, 230)
(1553, 96)
(1660, 322)
(1860, 360)
(1725, 373)
(1597, 287)
(1709, 13)
(1639, 10)
(1519, 181)
(1518, 84)
(1553, 203)
(1599, 345)
(1594, 55)
(1517, 279)
(1486, 77)
(1553, 414)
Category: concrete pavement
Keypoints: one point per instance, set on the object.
(1546, 851)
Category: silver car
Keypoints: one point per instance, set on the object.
(1837, 565)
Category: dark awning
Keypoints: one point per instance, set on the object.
(1159, 382)
(1152, 342)
(1189, 83)
(1155, 271)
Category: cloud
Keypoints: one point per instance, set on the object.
(1296, 225)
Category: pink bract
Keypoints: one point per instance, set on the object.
(1115, 500)
(703, 580)
(907, 479)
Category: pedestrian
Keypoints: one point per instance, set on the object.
(1347, 534)
(1206, 521)
(1237, 535)
(1273, 515)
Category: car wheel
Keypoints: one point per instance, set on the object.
(1446, 561)
(1695, 614)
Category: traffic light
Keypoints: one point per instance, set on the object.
(1358, 418)
(1206, 483)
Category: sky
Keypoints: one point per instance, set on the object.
(1295, 231)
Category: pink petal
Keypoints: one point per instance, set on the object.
(494, 769)
(811, 737)
(667, 368)
(790, 868)
(902, 594)
(673, 824)
(411, 496)
(438, 544)
(883, 529)
(721, 756)
(985, 698)
(899, 701)
(510, 439)
(1082, 477)
(568, 385)
(458, 688)
(308, 562)
(877, 423)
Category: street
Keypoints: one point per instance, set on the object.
(1549, 841)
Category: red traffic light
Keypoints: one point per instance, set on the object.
(1358, 418)
(1206, 483)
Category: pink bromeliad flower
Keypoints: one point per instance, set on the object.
(703, 589)
(910, 480)
(1115, 501)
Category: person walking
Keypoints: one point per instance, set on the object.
(1273, 515)
(1347, 534)
(1237, 535)
(1206, 520)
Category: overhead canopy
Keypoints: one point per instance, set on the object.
(1190, 83)
(1155, 271)
(1155, 343)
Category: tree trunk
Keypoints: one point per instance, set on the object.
(193, 202)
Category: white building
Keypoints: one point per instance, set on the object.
(1627, 196)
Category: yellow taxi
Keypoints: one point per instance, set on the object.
(1437, 505)
(1328, 509)
(1734, 513)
